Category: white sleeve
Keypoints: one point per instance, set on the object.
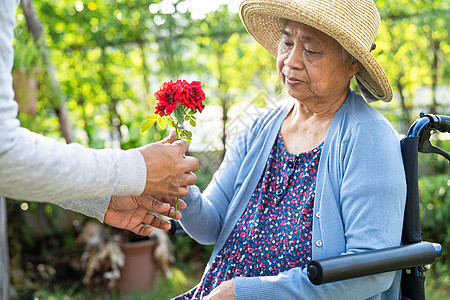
(36, 168)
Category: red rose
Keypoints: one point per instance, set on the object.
(166, 99)
(189, 96)
(171, 94)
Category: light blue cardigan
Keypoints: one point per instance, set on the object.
(359, 202)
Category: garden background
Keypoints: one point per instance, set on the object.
(97, 65)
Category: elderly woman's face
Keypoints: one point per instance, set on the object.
(310, 64)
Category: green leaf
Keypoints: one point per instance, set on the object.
(179, 115)
(162, 122)
(171, 123)
(187, 137)
(152, 116)
(192, 112)
(193, 123)
(186, 134)
(147, 124)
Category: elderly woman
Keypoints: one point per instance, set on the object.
(319, 176)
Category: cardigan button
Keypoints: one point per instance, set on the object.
(290, 164)
(279, 192)
(319, 243)
(318, 214)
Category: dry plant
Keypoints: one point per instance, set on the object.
(102, 257)
(163, 253)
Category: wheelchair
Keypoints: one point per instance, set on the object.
(414, 255)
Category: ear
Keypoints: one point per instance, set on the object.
(354, 67)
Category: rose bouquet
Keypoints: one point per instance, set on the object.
(176, 103)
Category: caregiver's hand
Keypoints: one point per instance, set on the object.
(225, 291)
(169, 171)
(132, 213)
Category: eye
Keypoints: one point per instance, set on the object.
(286, 43)
(309, 52)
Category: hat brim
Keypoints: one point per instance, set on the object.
(263, 20)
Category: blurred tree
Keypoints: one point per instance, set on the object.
(111, 55)
(237, 67)
(414, 49)
(35, 27)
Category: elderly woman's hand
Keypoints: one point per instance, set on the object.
(225, 291)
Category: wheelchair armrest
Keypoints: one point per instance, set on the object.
(176, 228)
(372, 262)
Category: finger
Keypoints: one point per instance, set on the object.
(181, 145)
(173, 201)
(181, 204)
(144, 230)
(180, 191)
(190, 164)
(171, 214)
(171, 138)
(212, 294)
(152, 220)
(135, 221)
(187, 179)
(139, 227)
(180, 187)
(150, 203)
(166, 199)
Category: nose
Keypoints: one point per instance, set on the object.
(294, 59)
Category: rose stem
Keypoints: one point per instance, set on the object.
(176, 202)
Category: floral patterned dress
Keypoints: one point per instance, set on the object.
(274, 233)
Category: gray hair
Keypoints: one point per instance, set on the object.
(347, 56)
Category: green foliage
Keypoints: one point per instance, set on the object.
(62, 293)
(435, 199)
(28, 54)
(166, 288)
(435, 218)
(112, 55)
(27, 57)
(413, 48)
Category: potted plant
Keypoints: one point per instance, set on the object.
(118, 260)
(28, 61)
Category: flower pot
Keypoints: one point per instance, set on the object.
(139, 270)
(25, 86)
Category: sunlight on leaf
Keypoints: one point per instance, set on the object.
(162, 122)
(151, 119)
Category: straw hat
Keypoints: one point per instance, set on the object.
(353, 23)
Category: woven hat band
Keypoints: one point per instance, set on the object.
(359, 19)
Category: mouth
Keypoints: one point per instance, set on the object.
(292, 80)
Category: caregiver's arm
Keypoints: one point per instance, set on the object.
(36, 168)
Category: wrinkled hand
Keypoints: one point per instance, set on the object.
(225, 291)
(169, 171)
(132, 213)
